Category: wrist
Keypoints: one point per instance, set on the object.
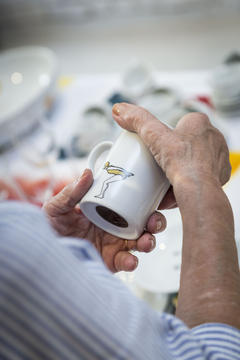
(210, 269)
(204, 207)
(192, 186)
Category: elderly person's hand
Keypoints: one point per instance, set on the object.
(192, 151)
(66, 217)
(195, 158)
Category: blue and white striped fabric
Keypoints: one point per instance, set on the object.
(59, 301)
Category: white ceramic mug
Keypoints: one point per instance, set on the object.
(127, 188)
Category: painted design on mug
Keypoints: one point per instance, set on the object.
(117, 174)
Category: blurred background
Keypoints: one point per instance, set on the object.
(90, 35)
(63, 64)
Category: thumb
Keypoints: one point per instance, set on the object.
(70, 195)
(137, 119)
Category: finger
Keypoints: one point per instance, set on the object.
(135, 118)
(67, 199)
(156, 223)
(169, 201)
(124, 261)
(146, 243)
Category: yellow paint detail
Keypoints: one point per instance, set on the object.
(64, 81)
(106, 165)
(117, 172)
(234, 160)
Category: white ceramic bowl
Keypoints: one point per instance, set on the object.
(225, 80)
(27, 88)
(160, 102)
(137, 78)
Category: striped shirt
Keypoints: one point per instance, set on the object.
(59, 301)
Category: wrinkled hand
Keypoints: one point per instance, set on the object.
(66, 217)
(195, 158)
(194, 151)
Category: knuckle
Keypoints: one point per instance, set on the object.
(203, 118)
(194, 121)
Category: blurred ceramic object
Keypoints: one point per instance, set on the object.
(190, 106)
(28, 78)
(160, 102)
(225, 83)
(96, 125)
(138, 78)
(175, 115)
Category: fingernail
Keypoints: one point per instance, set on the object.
(82, 175)
(136, 262)
(117, 108)
(152, 243)
(159, 224)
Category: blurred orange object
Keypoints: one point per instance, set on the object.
(32, 189)
(234, 160)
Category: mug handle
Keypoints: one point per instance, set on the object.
(96, 152)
